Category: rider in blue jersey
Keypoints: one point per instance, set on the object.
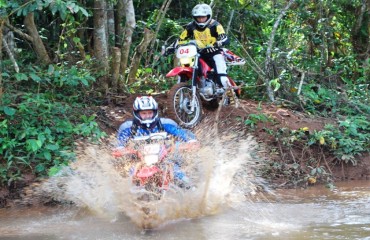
(146, 121)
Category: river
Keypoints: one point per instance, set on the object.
(225, 205)
(314, 213)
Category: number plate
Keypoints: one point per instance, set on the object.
(186, 51)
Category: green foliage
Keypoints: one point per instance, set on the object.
(350, 139)
(41, 116)
(170, 29)
(63, 8)
(151, 84)
(346, 141)
(254, 119)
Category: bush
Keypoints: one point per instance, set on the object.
(42, 113)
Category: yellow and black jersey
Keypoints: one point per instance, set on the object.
(207, 36)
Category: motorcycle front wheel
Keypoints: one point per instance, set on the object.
(180, 96)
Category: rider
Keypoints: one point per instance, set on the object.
(146, 121)
(211, 37)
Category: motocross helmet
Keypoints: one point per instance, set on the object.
(202, 10)
(145, 103)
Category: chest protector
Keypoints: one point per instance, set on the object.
(135, 127)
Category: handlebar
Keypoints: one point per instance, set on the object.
(121, 151)
(152, 136)
(178, 146)
(185, 146)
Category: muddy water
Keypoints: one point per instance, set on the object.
(223, 205)
(316, 213)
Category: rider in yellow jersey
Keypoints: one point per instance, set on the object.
(210, 37)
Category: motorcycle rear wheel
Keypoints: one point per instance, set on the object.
(180, 96)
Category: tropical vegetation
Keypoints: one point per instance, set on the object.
(60, 59)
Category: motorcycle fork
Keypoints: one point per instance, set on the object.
(194, 82)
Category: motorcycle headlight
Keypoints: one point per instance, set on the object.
(188, 62)
(151, 159)
(151, 153)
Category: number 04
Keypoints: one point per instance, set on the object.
(182, 51)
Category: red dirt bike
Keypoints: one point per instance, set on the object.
(152, 165)
(194, 88)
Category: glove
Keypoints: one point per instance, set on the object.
(217, 44)
(117, 153)
(192, 145)
(168, 51)
(210, 50)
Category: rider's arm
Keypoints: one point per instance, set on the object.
(220, 34)
(184, 36)
(124, 133)
(187, 34)
(172, 128)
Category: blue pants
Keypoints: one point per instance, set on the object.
(178, 173)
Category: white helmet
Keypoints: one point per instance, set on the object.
(145, 103)
(202, 10)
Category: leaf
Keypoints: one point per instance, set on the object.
(47, 155)
(20, 76)
(275, 83)
(9, 111)
(5, 74)
(2, 3)
(84, 12)
(311, 180)
(40, 168)
(54, 170)
(50, 69)
(35, 77)
(34, 144)
(76, 40)
(322, 140)
(22, 135)
(84, 82)
(52, 147)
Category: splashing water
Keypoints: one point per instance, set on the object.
(221, 171)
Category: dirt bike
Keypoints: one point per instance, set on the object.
(187, 97)
(152, 168)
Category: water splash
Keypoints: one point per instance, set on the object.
(221, 171)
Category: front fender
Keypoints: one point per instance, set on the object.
(180, 71)
(147, 172)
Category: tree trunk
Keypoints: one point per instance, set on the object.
(127, 38)
(100, 32)
(111, 26)
(1, 59)
(116, 60)
(37, 43)
(119, 16)
(7, 37)
(230, 21)
(269, 64)
(159, 20)
(360, 32)
(101, 41)
(139, 51)
(323, 45)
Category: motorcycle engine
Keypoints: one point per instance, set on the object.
(208, 88)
